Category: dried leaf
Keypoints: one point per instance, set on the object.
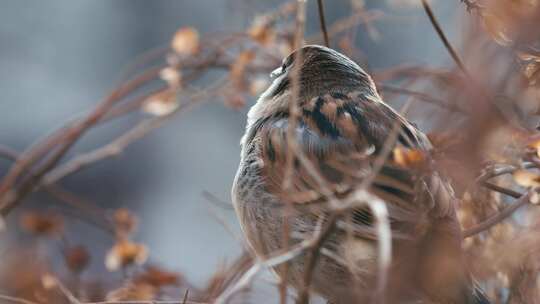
(42, 224)
(172, 76)
(407, 157)
(186, 41)
(536, 146)
(133, 292)
(125, 253)
(526, 178)
(285, 47)
(162, 103)
(238, 68)
(125, 222)
(528, 56)
(49, 281)
(157, 277)
(76, 258)
(532, 72)
(235, 101)
(535, 198)
(262, 31)
(496, 28)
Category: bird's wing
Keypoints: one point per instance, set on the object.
(344, 136)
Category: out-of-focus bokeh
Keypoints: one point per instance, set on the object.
(59, 58)
(150, 217)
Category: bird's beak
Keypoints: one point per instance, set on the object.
(276, 73)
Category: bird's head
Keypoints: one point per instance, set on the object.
(322, 71)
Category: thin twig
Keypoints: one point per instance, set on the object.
(322, 20)
(312, 257)
(502, 190)
(499, 217)
(444, 39)
(471, 5)
(259, 265)
(147, 302)
(294, 113)
(186, 295)
(421, 97)
(112, 149)
(16, 300)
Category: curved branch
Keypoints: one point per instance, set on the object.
(498, 217)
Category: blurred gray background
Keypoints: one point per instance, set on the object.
(59, 57)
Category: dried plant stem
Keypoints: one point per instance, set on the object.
(502, 190)
(60, 143)
(421, 97)
(97, 215)
(186, 295)
(10, 299)
(17, 300)
(248, 276)
(322, 21)
(499, 217)
(499, 170)
(471, 5)
(294, 113)
(444, 39)
(312, 257)
(112, 149)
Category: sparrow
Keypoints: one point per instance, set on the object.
(343, 128)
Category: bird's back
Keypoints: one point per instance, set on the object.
(344, 136)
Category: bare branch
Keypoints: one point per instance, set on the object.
(322, 21)
(444, 39)
(500, 216)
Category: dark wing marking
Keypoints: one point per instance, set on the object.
(342, 135)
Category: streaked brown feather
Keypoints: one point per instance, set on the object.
(344, 150)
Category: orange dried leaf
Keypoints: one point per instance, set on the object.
(42, 224)
(407, 157)
(261, 31)
(536, 146)
(238, 68)
(49, 281)
(186, 41)
(532, 72)
(526, 178)
(496, 28)
(528, 56)
(76, 258)
(172, 76)
(162, 103)
(125, 253)
(285, 47)
(133, 292)
(236, 101)
(124, 221)
(157, 277)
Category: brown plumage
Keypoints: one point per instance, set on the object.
(342, 129)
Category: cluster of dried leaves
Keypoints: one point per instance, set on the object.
(484, 139)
